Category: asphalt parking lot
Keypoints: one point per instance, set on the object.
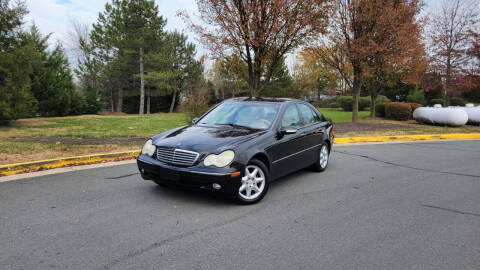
(387, 206)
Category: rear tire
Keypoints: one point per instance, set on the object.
(254, 183)
(323, 157)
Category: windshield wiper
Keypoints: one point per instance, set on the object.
(235, 125)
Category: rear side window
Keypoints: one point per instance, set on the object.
(308, 115)
(291, 117)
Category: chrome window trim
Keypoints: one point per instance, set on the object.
(291, 155)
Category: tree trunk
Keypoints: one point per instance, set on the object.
(447, 81)
(120, 100)
(373, 97)
(357, 73)
(174, 97)
(142, 84)
(112, 106)
(148, 100)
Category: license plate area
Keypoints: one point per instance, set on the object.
(169, 175)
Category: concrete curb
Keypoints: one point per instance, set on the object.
(34, 166)
(408, 138)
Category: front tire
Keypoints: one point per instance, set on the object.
(254, 183)
(323, 157)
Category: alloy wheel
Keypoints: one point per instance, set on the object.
(323, 156)
(253, 183)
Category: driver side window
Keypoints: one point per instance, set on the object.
(291, 118)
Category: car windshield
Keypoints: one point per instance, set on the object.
(242, 114)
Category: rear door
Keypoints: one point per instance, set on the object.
(311, 132)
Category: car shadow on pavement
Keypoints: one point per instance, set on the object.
(290, 178)
(211, 198)
(191, 196)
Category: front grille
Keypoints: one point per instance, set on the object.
(176, 156)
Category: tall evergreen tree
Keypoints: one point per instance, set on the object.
(16, 57)
(51, 77)
(173, 66)
(126, 31)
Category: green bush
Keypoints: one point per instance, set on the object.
(381, 99)
(363, 103)
(346, 103)
(334, 105)
(326, 103)
(457, 101)
(380, 109)
(416, 96)
(398, 111)
(436, 101)
(79, 104)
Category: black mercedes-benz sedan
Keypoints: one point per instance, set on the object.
(239, 146)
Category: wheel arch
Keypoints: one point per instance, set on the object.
(329, 144)
(263, 158)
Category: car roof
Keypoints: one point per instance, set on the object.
(262, 99)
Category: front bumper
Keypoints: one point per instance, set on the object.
(189, 177)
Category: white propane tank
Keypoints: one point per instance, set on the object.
(441, 116)
(473, 114)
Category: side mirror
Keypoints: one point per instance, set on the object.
(194, 120)
(286, 131)
(289, 131)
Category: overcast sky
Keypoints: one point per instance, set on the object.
(55, 16)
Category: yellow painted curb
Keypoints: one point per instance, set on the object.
(99, 158)
(63, 162)
(407, 138)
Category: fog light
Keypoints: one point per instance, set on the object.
(216, 186)
(143, 171)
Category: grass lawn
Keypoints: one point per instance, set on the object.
(56, 129)
(98, 126)
(45, 138)
(339, 116)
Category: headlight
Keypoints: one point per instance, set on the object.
(221, 160)
(148, 148)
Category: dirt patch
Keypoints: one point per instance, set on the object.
(81, 141)
(361, 127)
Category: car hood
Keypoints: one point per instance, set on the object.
(207, 138)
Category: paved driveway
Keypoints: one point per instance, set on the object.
(389, 206)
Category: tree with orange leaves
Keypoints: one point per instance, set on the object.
(396, 50)
(377, 38)
(313, 74)
(261, 32)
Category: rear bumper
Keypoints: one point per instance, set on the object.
(192, 177)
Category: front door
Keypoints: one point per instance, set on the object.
(286, 152)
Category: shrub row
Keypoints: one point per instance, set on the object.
(346, 102)
(454, 101)
(396, 110)
(457, 101)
